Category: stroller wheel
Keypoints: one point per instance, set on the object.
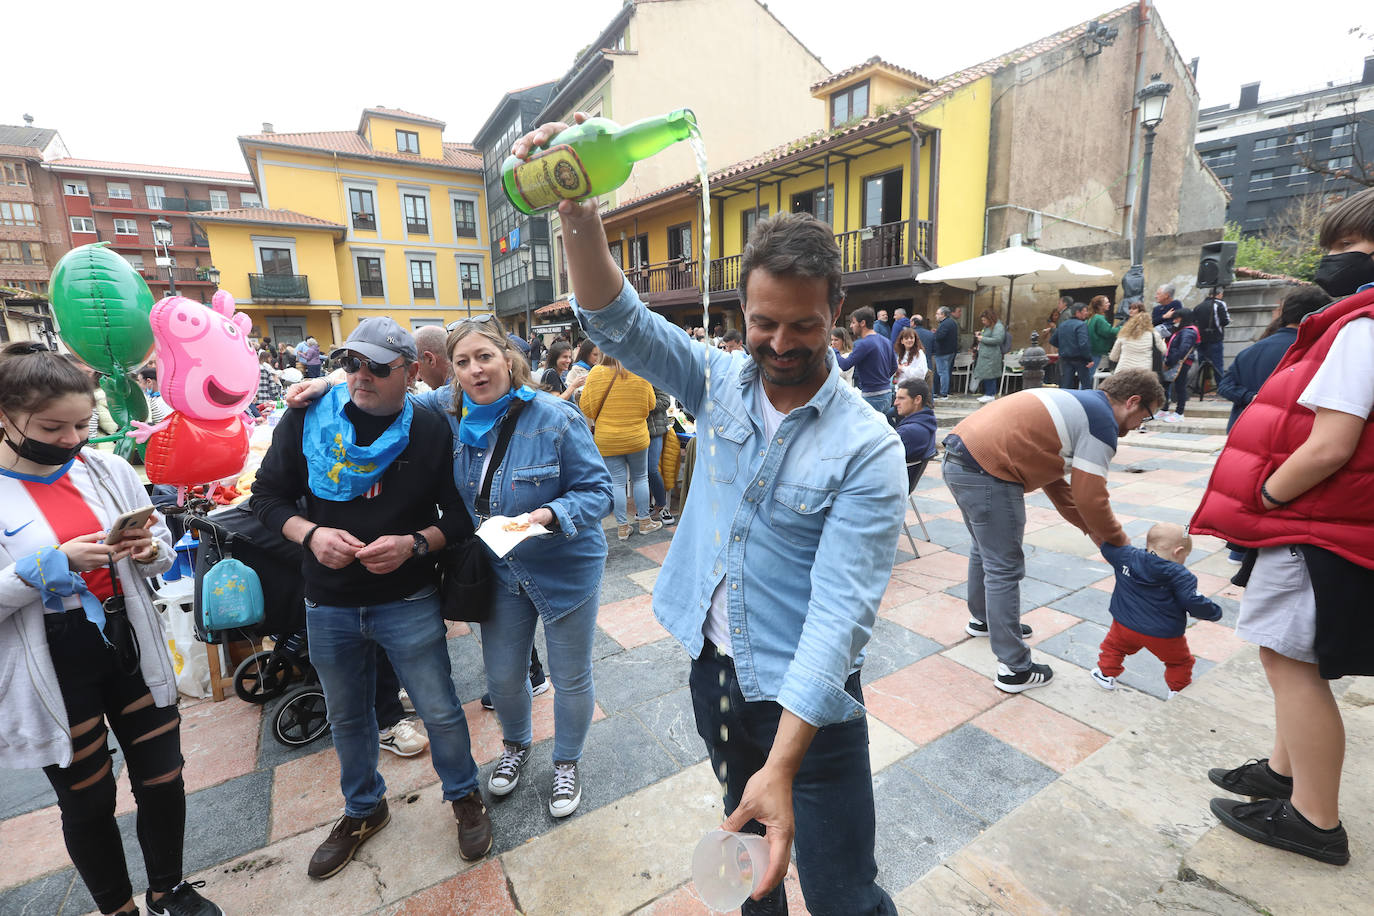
(261, 676)
(301, 717)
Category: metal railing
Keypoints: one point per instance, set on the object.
(278, 286)
(185, 204)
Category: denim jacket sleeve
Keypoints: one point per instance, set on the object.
(653, 349)
(847, 585)
(586, 497)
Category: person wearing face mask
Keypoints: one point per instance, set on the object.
(1295, 486)
(80, 638)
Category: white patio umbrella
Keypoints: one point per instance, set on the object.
(1005, 267)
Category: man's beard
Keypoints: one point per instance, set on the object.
(809, 362)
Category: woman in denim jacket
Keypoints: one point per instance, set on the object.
(553, 473)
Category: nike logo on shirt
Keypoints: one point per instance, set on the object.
(11, 532)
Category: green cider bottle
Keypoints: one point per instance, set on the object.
(594, 157)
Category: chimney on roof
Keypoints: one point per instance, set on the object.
(1249, 96)
(267, 127)
(1192, 67)
(28, 118)
(1368, 78)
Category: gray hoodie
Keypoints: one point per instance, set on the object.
(36, 731)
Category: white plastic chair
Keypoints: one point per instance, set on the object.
(963, 365)
(1011, 368)
(914, 471)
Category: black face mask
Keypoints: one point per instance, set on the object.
(1342, 274)
(43, 453)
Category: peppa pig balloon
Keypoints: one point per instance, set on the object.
(206, 368)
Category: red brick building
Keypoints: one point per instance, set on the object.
(117, 202)
(33, 232)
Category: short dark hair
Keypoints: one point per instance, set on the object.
(1352, 216)
(148, 373)
(795, 245)
(917, 388)
(863, 315)
(32, 376)
(733, 335)
(1078, 307)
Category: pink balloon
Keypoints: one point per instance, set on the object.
(206, 368)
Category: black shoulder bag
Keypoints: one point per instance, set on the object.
(466, 579)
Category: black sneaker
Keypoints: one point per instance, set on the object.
(486, 702)
(978, 628)
(506, 776)
(1252, 778)
(1273, 822)
(539, 684)
(182, 900)
(1009, 681)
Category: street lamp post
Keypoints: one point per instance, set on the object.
(212, 275)
(1152, 99)
(525, 256)
(162, 240)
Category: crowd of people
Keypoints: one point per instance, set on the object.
(762, 584)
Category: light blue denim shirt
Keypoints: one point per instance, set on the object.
(802, 527)
(551, 461)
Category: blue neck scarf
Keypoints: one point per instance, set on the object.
(476, 421)
(583, 365)
(340, 469)
(48, 571)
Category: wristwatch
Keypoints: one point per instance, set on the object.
(421, 545)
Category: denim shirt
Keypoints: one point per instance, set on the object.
(803, 527)
(551, 461)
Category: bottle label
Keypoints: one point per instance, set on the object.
(553, 175)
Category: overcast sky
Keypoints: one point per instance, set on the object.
(129, 83)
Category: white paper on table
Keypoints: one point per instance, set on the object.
(493, 532)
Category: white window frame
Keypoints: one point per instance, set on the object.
(76, 221)
(471, 198)
(379, 254)
(119, 190)
(154, 194)
(135, 261)
(422, 257)
(410, 133)
(250, 199)
(260, 242)
(459, 262)
(120, 220)
(423, 193)
(75, 187)
(223, 195)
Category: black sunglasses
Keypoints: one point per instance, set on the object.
(353, 364)
(475, 319)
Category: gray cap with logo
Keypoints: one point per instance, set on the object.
(379, 339)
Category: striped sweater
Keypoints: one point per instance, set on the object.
(1040, 437)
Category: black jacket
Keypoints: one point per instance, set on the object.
(947, 337)
(413, 488)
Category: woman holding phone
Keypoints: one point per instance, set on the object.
(80, 636)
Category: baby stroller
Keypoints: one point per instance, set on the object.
(265, 675)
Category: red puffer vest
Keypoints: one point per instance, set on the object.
(1338, 513)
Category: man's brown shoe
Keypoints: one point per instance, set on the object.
(474, 826)
(348, 834)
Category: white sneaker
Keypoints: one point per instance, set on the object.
(406, 704)
(1172, 694)
(567, 789)
(1106, 683)
(986, 398)
(403, 739)
(1174, 418)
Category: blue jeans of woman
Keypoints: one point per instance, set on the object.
(990, 386)
(343, 643)
(635, 467)
(656, 488)
(832, 793)
(507, 637)
(1179, 390)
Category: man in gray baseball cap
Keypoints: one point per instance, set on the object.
(374, 473)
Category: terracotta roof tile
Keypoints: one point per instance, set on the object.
(165, 171)
(347, 142)
(850, 71)
(400, 113)
(262, 215)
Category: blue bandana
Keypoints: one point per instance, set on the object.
(476, 421)
(583, 365)
(340, 469)
(48, 571)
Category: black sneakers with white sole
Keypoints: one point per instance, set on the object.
(1009, 681)
(978, 628)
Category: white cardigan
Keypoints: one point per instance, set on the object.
(1135, 354)
(36, 732)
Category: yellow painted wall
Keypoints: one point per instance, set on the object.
(655, 223)
(965, 120)
(380, 132)
(232, 251)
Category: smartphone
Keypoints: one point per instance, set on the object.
(129, 521)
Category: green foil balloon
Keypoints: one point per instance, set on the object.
(102, 305)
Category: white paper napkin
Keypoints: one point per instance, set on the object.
(501, 541)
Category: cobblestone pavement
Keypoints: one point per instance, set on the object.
(951, 754)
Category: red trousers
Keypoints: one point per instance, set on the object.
(1171, 650)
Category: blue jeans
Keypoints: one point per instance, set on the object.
(656, 488)
(343, 642)
(636, 466)
(880, 402)
(995, 514)
(832, 793)
(1213, 353)
(508, 637)
(1075, 373)
(990, 386)
(944, 365)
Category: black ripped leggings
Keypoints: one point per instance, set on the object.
(96, 692)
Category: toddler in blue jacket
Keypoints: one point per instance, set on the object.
(1153, 597)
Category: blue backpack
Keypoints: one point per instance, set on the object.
(231, 596)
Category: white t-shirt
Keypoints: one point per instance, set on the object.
(1345, 380)
(916, 369)
(717, 626)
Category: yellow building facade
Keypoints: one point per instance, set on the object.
(386, 219)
